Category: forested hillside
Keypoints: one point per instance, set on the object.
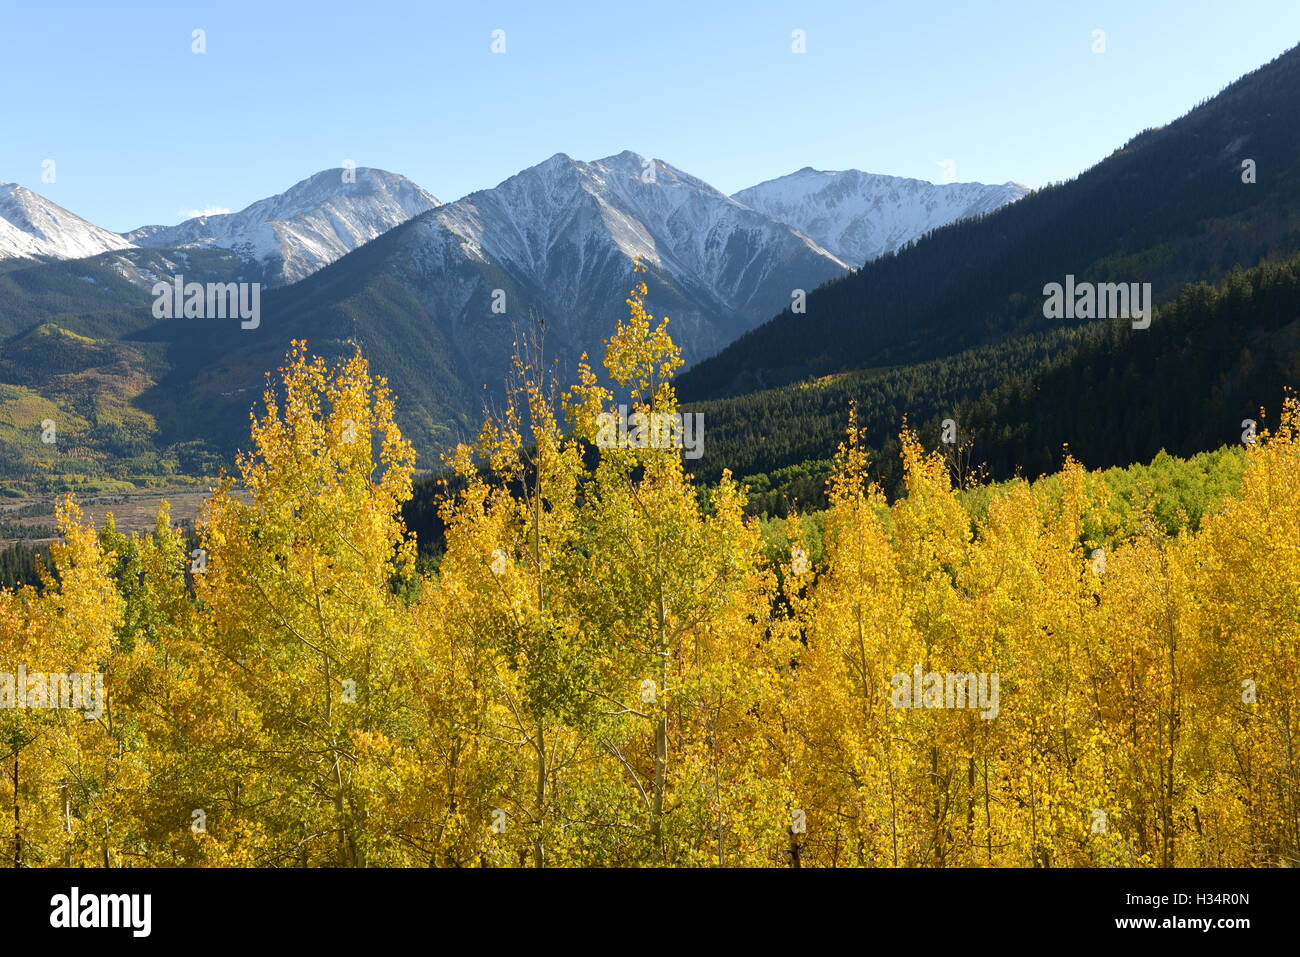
(1170, 207)
(1211, 358)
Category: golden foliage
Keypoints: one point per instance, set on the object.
(607, 667)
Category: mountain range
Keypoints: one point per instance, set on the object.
(436, 294)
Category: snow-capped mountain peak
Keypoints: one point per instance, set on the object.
(562, 235)
(32, 227)
(860, 216)
(308, 226)
(647, 209)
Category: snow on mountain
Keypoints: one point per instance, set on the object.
(306, 227)
(860, 216)
(32, 227)
(567, 230)
(646, 208)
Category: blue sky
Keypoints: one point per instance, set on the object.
(143, 130)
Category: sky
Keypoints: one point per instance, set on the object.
(141, 129)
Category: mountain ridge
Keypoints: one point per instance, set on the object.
(308, 226)
(860, 216)
(34, 228)
(439, 301)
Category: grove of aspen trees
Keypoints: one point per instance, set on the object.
(607, 667)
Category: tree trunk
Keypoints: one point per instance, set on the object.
(18, 843)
